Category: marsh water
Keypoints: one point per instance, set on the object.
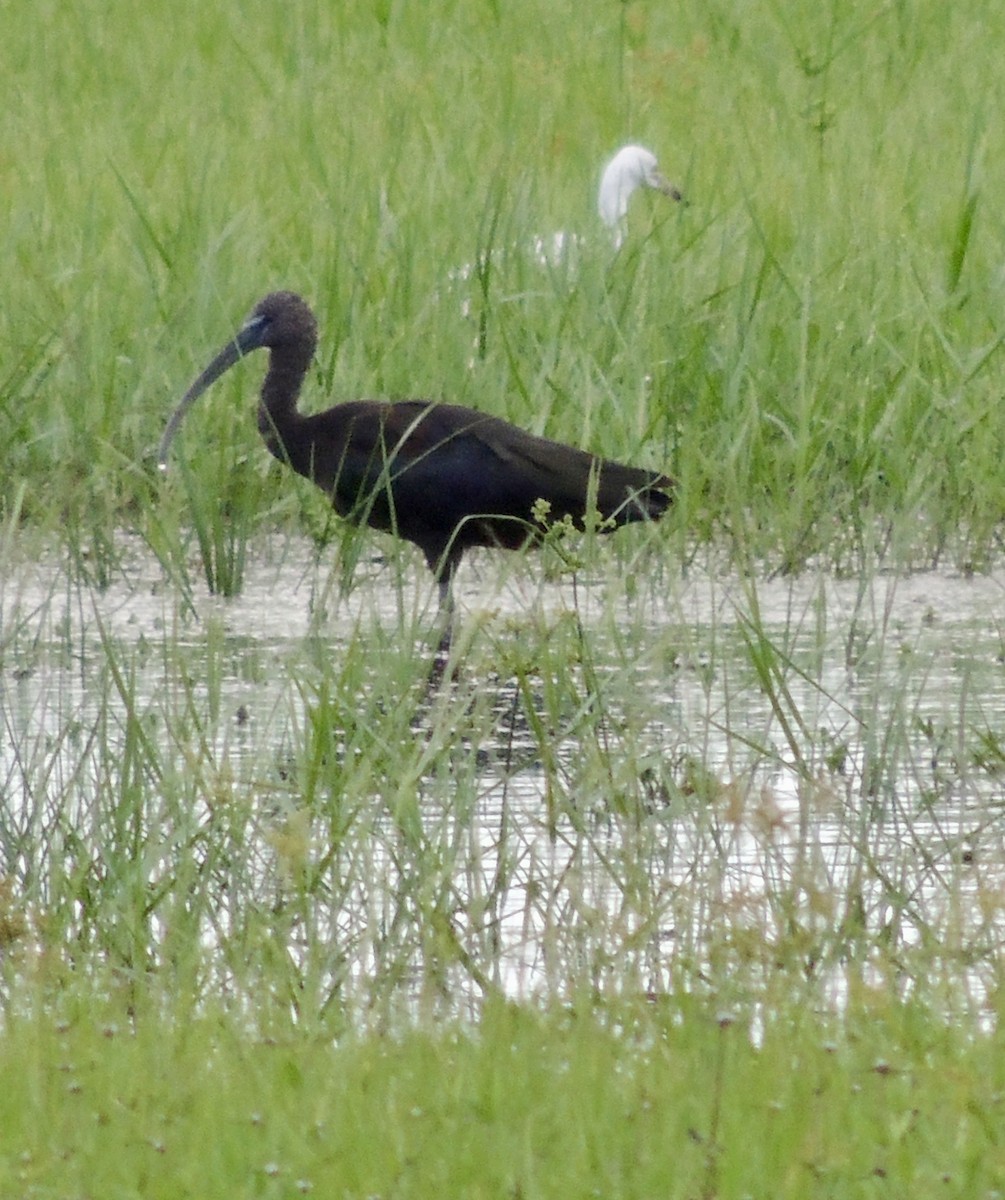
(724, 770)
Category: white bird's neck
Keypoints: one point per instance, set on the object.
(627, 171)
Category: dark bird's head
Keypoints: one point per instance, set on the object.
(281, 322)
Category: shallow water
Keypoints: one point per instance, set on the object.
(785, 769)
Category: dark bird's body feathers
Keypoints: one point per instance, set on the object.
(448, 478)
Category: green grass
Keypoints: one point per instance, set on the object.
(262, 896)
(669, 1100)
(811, 345)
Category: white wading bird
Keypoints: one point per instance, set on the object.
(631, 168)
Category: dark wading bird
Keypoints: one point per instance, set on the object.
(441, 476)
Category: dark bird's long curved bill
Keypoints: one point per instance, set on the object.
(249, 338)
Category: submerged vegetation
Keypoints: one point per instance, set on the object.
(742, 841)
(691, 883)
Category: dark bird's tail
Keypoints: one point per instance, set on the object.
(626, 494)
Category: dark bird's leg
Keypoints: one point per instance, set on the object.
(445, 614)
(444, 572)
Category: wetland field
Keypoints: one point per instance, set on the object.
(691, 881)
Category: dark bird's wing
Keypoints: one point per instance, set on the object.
(572, 480)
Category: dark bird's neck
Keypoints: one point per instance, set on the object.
(277, 410)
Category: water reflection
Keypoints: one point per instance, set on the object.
(723, 778)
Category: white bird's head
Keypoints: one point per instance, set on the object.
(631, 168)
